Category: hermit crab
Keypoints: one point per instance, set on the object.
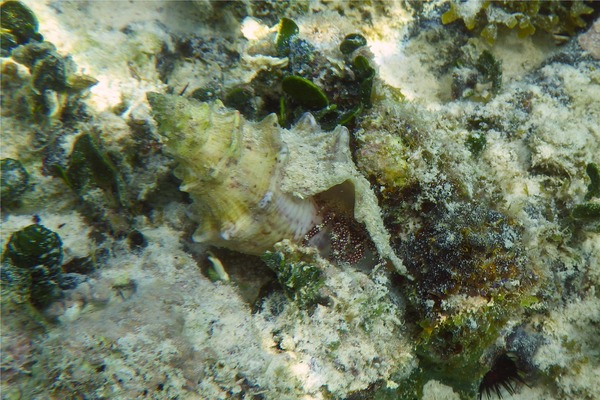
(254, 184)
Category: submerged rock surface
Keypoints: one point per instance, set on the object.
(313, 199)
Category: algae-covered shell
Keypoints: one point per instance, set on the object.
(254, 184)
(231, 168)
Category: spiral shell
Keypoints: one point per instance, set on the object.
(253, 183)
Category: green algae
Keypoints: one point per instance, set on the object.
(491, 70)
(304, 92)
(287, 30)
(300, 278)
(14, 182)
(593, 189)
(587, 211)
(34, 255)
(352, 42)
(18, 25)
(90, 168)
(471, 278)
(365, 74)
(476, 143)
(477, 79)
(55, 88)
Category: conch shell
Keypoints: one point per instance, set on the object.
(253, 184)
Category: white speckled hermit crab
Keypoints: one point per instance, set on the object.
(253, 184)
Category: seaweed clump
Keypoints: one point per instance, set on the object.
(31, 265)
(18, 26)
(528, 17)
(299, 78)
(350, 91)
(46, 107)
(297, 272)
(470, 251)
(53, 88)
(90, 168)
(477, 80)
(471, 278)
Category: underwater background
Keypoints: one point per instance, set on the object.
(300, 199)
